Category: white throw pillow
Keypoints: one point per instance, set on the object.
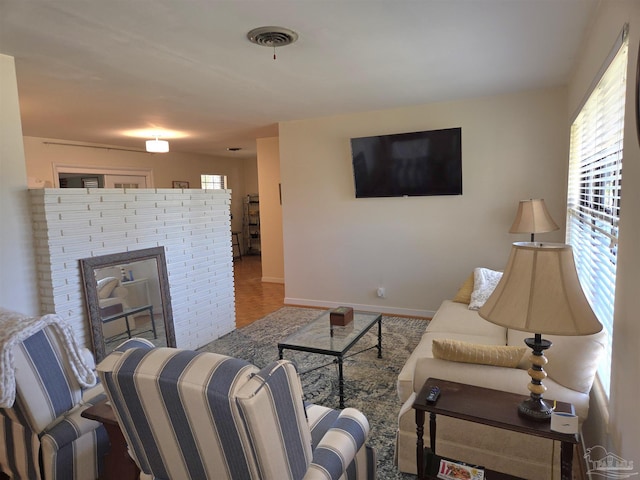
(484, 283)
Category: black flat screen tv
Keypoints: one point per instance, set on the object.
(408, 164)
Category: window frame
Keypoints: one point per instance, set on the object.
(594, 190)
(213, 181)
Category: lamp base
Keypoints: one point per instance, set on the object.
(535, 409)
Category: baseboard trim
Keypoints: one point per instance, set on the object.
(395, 311)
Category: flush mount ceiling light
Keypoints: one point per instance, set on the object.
(272, 37)
(157, 146)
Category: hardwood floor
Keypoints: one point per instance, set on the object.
(254, 298)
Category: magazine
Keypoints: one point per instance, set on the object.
(459, 471)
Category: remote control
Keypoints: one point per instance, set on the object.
(434, 393)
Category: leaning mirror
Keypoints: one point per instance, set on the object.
(127, 295)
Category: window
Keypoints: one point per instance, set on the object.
(594, 189)
(213, 182)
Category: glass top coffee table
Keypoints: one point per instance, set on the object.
(319, 337)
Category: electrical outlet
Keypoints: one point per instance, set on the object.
(380, 292)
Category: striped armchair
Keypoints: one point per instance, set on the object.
(42, 435)
(189, 415)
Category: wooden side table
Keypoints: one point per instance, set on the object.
(487, 407)
(118, 465)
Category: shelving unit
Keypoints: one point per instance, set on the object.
(251, 224)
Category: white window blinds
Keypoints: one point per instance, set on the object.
(594, 188)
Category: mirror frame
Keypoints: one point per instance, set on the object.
(87, 267)
(638, 94)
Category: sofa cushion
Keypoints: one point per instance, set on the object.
(484, 283)
(464, 292)
(453, 317)
(496, 355)
(454, 321)
(423, 349)
(573, 360)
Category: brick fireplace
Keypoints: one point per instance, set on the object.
(193, 226)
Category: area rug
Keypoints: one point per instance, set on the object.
(370, 382)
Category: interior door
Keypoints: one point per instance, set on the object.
(119, 177)
(125, 181)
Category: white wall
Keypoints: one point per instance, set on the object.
(270, 210)
(18, 289)
(241, 173)
(621, 433)
(250, 176)
(339, 249)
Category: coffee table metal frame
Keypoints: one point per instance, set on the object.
(488, 407)
(319, 337)
(132, 311)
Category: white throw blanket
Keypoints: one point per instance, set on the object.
(15, 328)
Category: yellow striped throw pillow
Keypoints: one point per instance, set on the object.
(496, 355)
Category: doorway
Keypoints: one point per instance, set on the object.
(80, 180)
(125, 181)
(73, 176)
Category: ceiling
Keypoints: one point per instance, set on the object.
(96, 71)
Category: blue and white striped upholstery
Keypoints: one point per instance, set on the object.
(189, 415)
(271, 406)
(330, 430)
(43, 435)
(175, 413)
(20, 448)
(135, 342)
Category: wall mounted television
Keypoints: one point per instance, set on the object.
(408, 164)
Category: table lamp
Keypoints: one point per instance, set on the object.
(533, 217)
(540, 293)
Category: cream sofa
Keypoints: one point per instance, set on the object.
(571, 371)
(112, 299)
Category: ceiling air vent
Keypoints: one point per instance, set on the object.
(272, 36)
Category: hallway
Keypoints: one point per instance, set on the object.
(254, 299)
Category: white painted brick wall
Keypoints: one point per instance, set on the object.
(193, 226)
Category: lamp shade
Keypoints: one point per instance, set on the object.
(540, 293)
(157, 146)
(533, 217)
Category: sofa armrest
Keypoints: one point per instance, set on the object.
(339, 446)
(573, 360)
